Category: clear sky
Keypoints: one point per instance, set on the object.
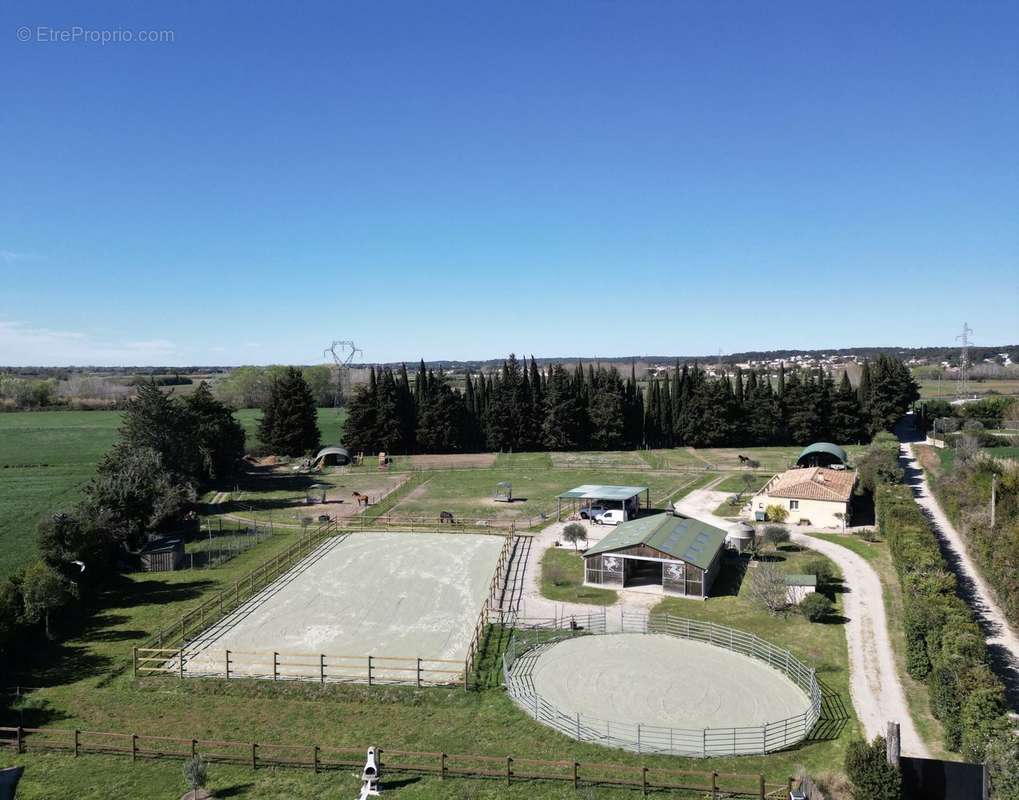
(461, 180)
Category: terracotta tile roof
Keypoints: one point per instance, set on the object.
(813, 483)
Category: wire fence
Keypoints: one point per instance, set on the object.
(218, 541)
(527, 643)
(322, 758)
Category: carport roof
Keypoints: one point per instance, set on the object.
(683, 538)
(595, 491)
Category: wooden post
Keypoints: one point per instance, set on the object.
(182, 630)
(893, 744)
(714, 785)
(134, 746)
(643, 781)
(180, 662)
(509, 770)
(19, 738)
(315, 760)
(194, 748)
(254, 755)
(227, 652)
(576, 774)
(442, 766)
(760, 783)
(322, 669)
(135, 661)
(275, 666)
(419, 673)
(369, 670)
(77, 742)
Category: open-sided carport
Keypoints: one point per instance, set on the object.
(625, 497)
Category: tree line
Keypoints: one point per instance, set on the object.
(520, 407)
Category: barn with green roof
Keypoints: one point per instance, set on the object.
(677, 554)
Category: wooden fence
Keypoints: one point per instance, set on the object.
(443, 765)
(320, 667)
(481, 625)
(214, 609)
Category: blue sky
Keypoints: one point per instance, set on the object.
(447, 180)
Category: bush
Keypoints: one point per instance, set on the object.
(1002, 754)
(776, 513)
(196, 773)
(822, 568)
(944, 645)
(868, 770)
(816, 607)
(774, 535)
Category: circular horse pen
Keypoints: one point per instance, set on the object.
(663, 685)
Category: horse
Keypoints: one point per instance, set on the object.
(446, 516)
(362, 499)
(743, 459)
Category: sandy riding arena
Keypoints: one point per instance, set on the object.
(403, 595)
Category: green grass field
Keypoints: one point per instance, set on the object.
(562, 579)
(46, 457)
(947, 455)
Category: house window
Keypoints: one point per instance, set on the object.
(794, 505)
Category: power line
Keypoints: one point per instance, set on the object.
(342, 360)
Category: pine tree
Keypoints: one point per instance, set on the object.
(289, 425)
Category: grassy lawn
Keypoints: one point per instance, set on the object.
(562, 579)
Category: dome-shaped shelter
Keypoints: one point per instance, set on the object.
(332, 456)
(822, 454)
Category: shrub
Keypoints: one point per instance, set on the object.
(556, 573)
(868, 770)
(1002, 754)
(776, 513)
(822, 568)
(196, 772)
(816, 607)
(774, 535)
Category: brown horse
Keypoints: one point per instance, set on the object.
(362, 499)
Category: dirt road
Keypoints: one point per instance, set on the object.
(874, 684)
(1002, 641)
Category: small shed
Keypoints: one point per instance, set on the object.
(626, 498)
(679, 554)
(799, 586)
(332, 457)
(316, 493)
(503, 492)
(823, 454)
(162, 554)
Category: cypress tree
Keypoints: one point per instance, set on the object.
(289, 425)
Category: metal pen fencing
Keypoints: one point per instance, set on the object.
(529, 641)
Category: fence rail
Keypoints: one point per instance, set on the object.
(321, 758)
(481, 625)
(320, 667)
(198, 619)
(527, 642)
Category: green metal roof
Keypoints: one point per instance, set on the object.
(825, 447)
(594, 491)
(685, 538)
(801, 580)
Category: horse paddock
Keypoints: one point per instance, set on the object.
(396, 598)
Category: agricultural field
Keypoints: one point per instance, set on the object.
(948, 390)
(46, 457)
(87, 683)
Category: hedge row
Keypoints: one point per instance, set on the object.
(944, 645)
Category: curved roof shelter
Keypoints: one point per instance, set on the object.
(822, 454)
(335, 455)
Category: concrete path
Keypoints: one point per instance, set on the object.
(1002, 642)
(874, 684)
